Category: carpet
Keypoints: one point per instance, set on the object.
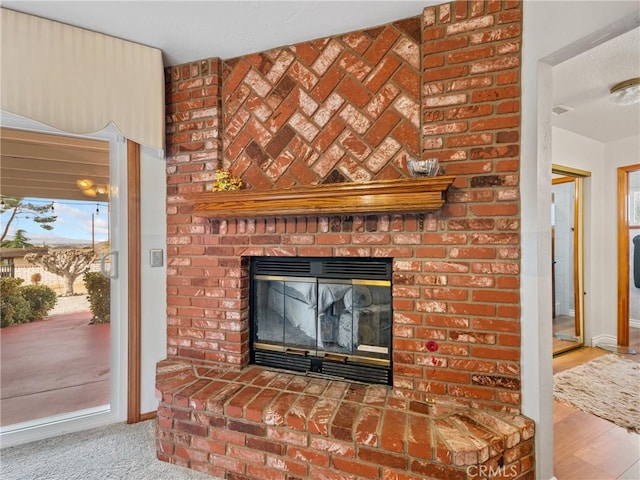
(115, 452)
(607, 386)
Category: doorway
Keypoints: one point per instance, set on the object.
(567, 258)
(628, 257)
(110, 405)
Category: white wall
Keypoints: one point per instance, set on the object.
(552, 32)
(50, 279)
(153, 221)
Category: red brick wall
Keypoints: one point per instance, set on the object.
(344, 109)
(471, 122)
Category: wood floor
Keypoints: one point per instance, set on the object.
(585, 446)
(563, 330)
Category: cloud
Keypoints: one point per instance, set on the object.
(73, 224)
(76, 220)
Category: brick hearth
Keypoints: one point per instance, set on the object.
(351, 108)
(264, 424)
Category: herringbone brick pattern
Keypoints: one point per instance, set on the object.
(344, 108)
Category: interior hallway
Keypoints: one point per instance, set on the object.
(587, 447)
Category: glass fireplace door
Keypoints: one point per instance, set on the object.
(355, 323)
(314, 323)
(285, 314)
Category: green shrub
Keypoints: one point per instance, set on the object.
(41, 300)
(99, 295)
(18, 312)
(13, 307)
(8, 299)
(10, 286)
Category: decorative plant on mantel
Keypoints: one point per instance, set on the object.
(225, 181)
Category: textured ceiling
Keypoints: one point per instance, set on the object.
(583, 83)
(187, 31)
(192, 30)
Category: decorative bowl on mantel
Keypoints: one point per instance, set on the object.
(429, 167)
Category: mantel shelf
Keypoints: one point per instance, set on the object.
(411, 194)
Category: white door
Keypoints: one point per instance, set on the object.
(106, 402)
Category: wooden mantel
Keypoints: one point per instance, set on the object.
(410, 194)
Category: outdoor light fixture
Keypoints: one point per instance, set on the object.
(627, 92)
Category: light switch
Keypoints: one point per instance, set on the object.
(155, 257)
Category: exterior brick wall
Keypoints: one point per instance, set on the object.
(347, 108)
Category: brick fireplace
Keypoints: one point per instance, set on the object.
(322, 315)
(352, 108)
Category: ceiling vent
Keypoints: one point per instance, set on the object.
(561, 109)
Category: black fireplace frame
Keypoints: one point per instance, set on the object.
(333, 268)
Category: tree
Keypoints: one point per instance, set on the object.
(66, 263)
(19, 241)
(41, 214)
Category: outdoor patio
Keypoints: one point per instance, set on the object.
(54, 366)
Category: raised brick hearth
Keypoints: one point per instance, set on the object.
(351, 108)
(264, 424)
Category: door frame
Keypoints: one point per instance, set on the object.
(623, 253)
(134, 306)
(577, 176)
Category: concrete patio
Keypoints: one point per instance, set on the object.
(53, 366)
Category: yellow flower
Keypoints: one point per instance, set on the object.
(225, 181)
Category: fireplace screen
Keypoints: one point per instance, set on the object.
(327, 316)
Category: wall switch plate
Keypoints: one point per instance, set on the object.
(156, 257)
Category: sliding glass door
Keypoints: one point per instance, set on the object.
(66, 369)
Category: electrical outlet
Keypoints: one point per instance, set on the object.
(155, 257)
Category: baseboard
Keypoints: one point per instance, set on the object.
(56, 425)
(633, 323)
(604, 340)
(148, 416)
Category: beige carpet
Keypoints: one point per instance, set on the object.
(114, 452)
(608, 387)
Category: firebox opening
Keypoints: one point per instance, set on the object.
(328, 316)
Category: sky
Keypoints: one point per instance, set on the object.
(73, 224)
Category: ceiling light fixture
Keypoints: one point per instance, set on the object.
(627, 92)
(84, 183)
(90, 189)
